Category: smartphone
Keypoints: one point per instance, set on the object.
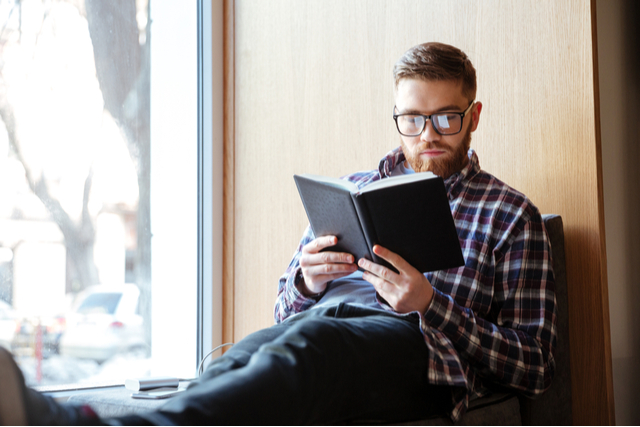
(158, 393)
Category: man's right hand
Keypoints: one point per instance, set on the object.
(319, 268)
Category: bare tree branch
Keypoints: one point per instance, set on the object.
(122, 69)
(79, 235)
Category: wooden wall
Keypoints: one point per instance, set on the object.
(308, 88)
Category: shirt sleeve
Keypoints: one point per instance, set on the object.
(290, 300)
(516, 347)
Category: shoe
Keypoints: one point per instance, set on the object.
(12, 391)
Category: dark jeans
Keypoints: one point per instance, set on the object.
(323, 366)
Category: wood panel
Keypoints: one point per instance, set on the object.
(228, 151)
(313, 93)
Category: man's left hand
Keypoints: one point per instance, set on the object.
(406, 291)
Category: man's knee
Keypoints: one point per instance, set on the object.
(308, 340)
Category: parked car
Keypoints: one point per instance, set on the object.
(8, 318)
(105, 321)
(25, 339)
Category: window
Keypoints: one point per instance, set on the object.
(100, 303)
(107, 196)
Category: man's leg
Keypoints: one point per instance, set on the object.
(327, 366)
(20, 405)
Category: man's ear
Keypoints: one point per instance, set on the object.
(475, 115)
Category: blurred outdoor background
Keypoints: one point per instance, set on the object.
(75, 236)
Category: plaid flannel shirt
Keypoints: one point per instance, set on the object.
(492, 321)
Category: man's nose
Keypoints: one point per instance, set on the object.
(429, 134)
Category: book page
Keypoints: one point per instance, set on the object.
(398, 180)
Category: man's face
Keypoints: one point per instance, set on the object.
(441, 154)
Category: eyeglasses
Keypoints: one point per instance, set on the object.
(411, 124)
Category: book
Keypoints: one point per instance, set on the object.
(407, 214)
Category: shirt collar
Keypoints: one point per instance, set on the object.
(390, 161)
(453, 184)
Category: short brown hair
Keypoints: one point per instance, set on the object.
(437, 61)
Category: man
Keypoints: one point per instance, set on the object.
(381, 345)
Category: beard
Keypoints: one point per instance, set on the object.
(444, 166)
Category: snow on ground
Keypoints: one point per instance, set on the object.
(57, 370)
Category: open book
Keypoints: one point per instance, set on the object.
(407, 214)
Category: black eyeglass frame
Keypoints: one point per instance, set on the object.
(428, 117)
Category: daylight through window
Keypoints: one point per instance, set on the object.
(79, 237)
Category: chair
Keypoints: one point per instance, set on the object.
(554, 406)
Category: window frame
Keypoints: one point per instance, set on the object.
(210, 176)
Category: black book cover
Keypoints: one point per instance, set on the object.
(331, 212)
(412, 219)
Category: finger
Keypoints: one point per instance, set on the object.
(315, 282)
(392, 258)
(383, 287)
(329, 269)
(327, 258)
(378, 270)
(319, 244)
(329, 277)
